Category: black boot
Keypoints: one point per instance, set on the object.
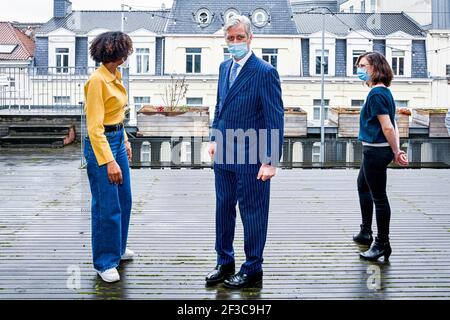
(378, 249)
(364, 237)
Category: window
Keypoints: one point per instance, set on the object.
(7, 48)
(260, 18)
(270, 56)
(62, 60)
(139, 102)
(363, 6)
(357, 103)
(356, 54)
(401, 103)
(373, 5)
(193, 60)
(145, 152)
(447, 70)
(12, 82)
(398, 62)
(319, 61)
(351, 9)
(185, 152)
(226, 54)
(316, 152)
(142, 60)
(317, 104)
(229, 13)
(194, 102)
(203, 17)
(61, 100)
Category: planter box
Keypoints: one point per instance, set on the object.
(402, 118)
(186, 122)
(295, 122)
(434, 119)
(347, 120)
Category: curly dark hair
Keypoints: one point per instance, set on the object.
(382, 72)
(111, 46)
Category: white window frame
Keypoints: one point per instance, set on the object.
(315, 45)
(317, 106)
(142, 60)
(146, 151)
(196, 56)
(194, 104)
(399, 56)
(373, 6)
(318, 55)
(271, 56)
(60, 57)
(363, 6)
(67, 100)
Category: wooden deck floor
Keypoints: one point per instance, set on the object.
(45, 233)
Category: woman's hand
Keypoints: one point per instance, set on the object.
(128, 148)
(114, 172)
(400, 158)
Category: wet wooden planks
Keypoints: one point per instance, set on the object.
(45, 234)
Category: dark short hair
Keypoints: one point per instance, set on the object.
(111, 46)
(382, 71)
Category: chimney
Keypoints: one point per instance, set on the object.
(61, 8)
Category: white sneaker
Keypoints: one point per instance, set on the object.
(128, 255)
(110, 275)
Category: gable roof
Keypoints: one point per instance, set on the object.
(24, 46)
(81, 22)
(308, 23)
(184, 11)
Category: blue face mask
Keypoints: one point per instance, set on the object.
(362, 74)
(238, 50)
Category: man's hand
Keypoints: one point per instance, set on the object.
(114, 172)
(266, 172)
(128, 147)
(212, 149)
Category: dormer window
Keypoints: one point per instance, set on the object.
(230, 13)
(203, 17)
(260, 18)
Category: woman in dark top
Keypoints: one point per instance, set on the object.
(381, 145)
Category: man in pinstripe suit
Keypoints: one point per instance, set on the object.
(247, 140)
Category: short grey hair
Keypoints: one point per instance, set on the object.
(237, 19)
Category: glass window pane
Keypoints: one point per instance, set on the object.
(401, 64)
(198, 63)
(146, 63)
(189, 63)
(274, 61)
(394, 65)
(193, 50)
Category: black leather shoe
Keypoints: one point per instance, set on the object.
(243, 280)
(219, 273)
(377, 250)
(364, 237)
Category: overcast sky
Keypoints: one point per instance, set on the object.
(42, 10)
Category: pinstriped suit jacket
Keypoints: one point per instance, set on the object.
(252, 102)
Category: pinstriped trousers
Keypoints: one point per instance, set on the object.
(253, 197)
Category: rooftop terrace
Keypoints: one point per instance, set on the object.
(45, 234)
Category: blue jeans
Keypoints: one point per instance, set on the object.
(111, 204)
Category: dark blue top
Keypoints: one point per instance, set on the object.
(379, 101)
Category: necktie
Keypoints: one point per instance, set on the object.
(233, 73)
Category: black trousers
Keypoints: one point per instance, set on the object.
(372, 181)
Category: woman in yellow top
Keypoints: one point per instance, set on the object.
(108, 153)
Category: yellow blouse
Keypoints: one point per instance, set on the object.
(105, 101)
